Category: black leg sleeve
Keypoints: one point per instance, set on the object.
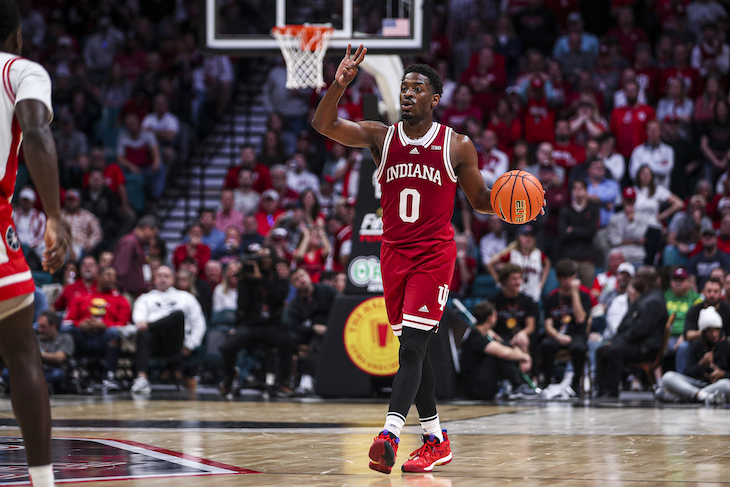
(412, 353)
(426, 395)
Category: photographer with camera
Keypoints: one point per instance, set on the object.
(261, 295)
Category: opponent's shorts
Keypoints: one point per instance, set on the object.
(416, 283)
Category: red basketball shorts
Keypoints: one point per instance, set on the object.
(416, 283)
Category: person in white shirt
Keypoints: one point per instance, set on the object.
(30, 223)
(165, 126)
(298, 178)
(711, 55)
(493, 242)
(225, 295)
(170, 323)
(246, 200)
(492, 161)
(612, 160)
(655, 154)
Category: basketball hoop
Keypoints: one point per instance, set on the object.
(303, 48)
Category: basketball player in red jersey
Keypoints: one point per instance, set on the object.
(420, 163)
(25, 116)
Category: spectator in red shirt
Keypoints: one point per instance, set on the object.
(286, 195)
(313, 250)
(194, 248)
(539, 117)
(647, 75)
(627, 34)
(269, 211)
(684, 71)
(113, 176)
(94, 321)
(81, 287)
(487, 80)
(462, 109)
(565, 153)
(139, 153)
(629, 123)
(261, 176)
(506, 125)
(228, 216)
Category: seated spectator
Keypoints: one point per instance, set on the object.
(287, 196)
(308, 315)
(544, 156)
(678, 105)
(506, 125)
(298, 178)
(705, 103)
(203, 291)
(212, 237)
(94, 323)
(30, 224)
(680, 297)
(213, 274)
(165, 126)
(280, 245)
(84, 286)
(487, 79)
(627, 33)
(114, 179)
(170, 324)
(604, 192)
(313, 250)
(655, 154)
(575, 60)
(606, 281)
(465, 266)
(556, 196)
(56, 349)
(225, 294)
(701, 265)
(705, 379)
(194, 248)
(266, 216)
(715, 142)
(246, 200)
(712, 292)
(650, 196)
(629, 123)
(346, 174)
(534, 263)
(106, 258)
(686, 157)
(138, 153)
(250, 233)
(493, 242)
(310, 204)
(517, 313)
(85, 228)
(567, 323)
(260, 175)
(639, 336)
(70, 145)
(587, 123)
(612, 160)
(274, 148)
(486, 360)
(463, 107)
(492, 161)
(231, 248)
(261, 294)
(712, 55)
(227, 215)
(129, 257)
(684, 231)
(103, 204)
(577, 225)
(539, 118)
(681, 69)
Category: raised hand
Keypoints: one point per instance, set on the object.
(347, 70)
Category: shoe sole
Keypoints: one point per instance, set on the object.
(440, 461)
(382, 456)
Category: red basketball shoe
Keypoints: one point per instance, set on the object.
(432, 453)
(383, 451)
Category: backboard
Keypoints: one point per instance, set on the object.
(242, 27)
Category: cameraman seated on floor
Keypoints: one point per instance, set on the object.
(94, 322)
(486, 360)
(56, 350)
(708, 366)
(261, 295)
(170, 324)
(308, 315)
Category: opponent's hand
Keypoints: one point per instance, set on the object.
(56, 238)
(347, 70)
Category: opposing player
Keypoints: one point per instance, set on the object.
(420, 163)
(25, 115)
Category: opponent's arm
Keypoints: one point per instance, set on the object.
(466, 166)
(326, 121)
(40, 156)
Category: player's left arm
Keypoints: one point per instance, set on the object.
(466, 166)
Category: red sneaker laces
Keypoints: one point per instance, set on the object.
(428, 445)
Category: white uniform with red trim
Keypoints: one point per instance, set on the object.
(22, 80)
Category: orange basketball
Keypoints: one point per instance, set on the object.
(517, 197)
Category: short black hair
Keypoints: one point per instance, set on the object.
(9, 18)
(483, 310)
(566, 268)
(51, 316)
(437, 84)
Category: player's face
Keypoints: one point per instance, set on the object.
(416, 97)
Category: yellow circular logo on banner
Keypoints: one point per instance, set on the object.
(369, 340)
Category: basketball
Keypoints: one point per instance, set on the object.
(517, 197)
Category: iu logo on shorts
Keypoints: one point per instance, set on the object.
(443, 296)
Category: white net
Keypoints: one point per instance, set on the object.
(303, 48)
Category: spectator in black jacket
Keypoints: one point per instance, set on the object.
(308, 315)
(578, 223)
(261, 294)
(103, 203)
(639, 336)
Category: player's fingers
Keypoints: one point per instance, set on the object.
(360, 54)
(347, 54)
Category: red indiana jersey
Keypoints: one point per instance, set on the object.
(628, 124)
(418, 187)
(539, 122)
(689, 75)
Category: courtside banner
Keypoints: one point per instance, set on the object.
(363, 270)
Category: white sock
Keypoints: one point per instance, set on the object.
(41, 476)
(702, 395)
(394, 422)
(432, 426)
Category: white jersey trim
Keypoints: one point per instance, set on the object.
(386, 149)
(16, 278)
(424, 141)
(447, 155)
(420, 319)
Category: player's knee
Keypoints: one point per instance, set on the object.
(413, 345)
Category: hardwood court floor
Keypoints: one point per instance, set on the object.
(325, 443)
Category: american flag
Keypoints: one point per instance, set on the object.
(396, 27)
